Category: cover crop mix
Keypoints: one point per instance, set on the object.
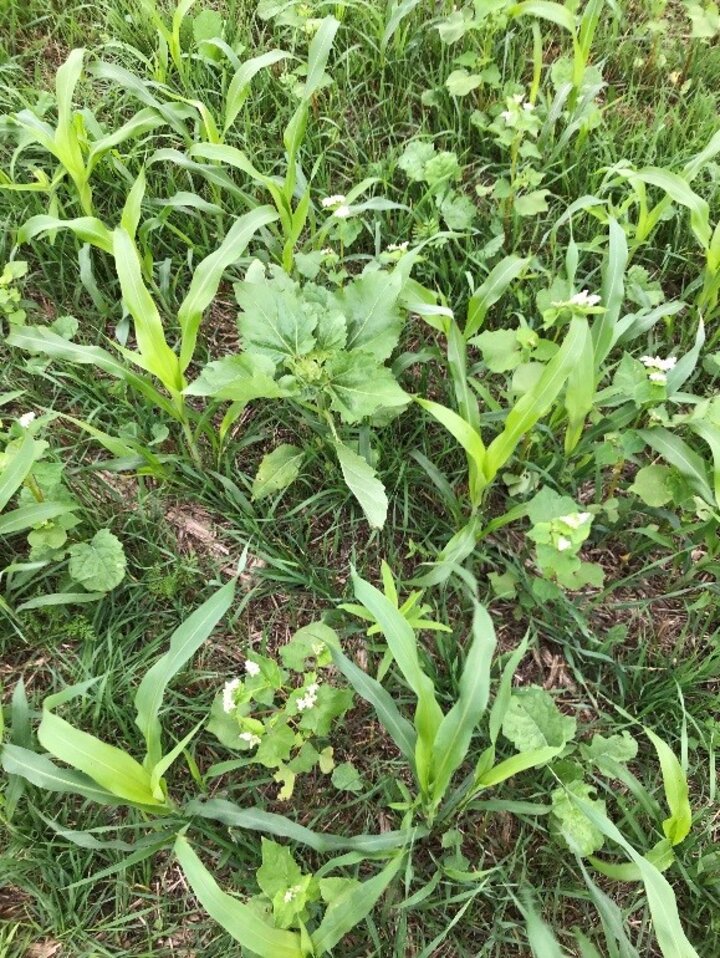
(359, 479)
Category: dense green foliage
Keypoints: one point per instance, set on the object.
(359, 478)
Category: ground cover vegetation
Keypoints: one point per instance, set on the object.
(359, 478)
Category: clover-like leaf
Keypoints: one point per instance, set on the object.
(98, 565)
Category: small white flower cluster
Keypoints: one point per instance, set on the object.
(563, 543)
(660, 367)
(317, 649)
(338, 204)
(291, 894)
(397, 247)
(575, 519)
(250, 738)
(518, 99)
(229, 694)
(308, 700)
(26, 419)
(252, 668)
(583, 300)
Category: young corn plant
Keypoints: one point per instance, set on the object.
(291, 193)
(106, 774)
(76, 142)
(436, 745)
(153, 354)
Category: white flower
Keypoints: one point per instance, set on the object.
(250, 738)
(318, 649)
(291, 893)
(252, 668)
(563, 543)
(328, 251)
(313, 688)
(528, 107)
(229, 695)
(397, 247)
(575, 519)
(26, 419)
(518, 97)
(584, 298)
(342, 212)
(657, 362)
(658, 377)
(507, 115)
(336, 200)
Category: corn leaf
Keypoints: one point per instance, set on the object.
(209, 273)
(258, 820)
(493, 287)
(456, 729)
(184, 643)
(352, 906)
(238, 919)
(675, 783)
(112, 769)
(535, 403)
(14, 474)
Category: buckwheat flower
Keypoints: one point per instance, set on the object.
(252, 668)
(291, 894)
(229, 695)
(328, 251)
(584, 298)
(658, 377)
(518, 97)
(507, 115)
(250, 738)
(563, 544)
(397, 247)
(342, 212)
(337, 199)
(26, 419)
(528, 106)
(305, 703)
(575, 519)
(313, 688)
(657, 362)
(318, 649)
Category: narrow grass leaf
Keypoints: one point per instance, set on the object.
(605, 331)
(318, 55)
